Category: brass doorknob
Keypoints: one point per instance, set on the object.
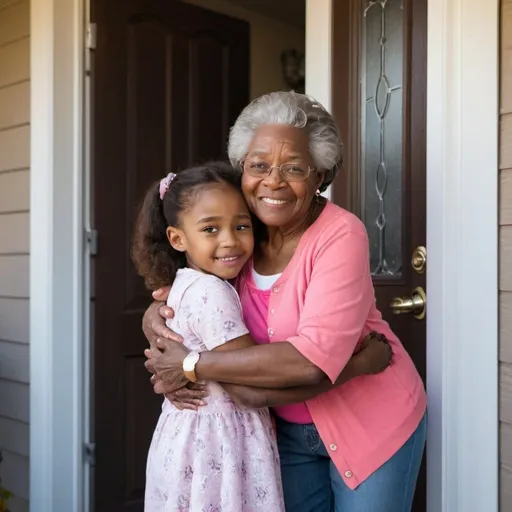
(415, 304)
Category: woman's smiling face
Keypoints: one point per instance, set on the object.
(276, 202)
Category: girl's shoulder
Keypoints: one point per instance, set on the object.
(193, 286)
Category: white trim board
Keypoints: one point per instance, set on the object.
(462, 244)
(56, 260)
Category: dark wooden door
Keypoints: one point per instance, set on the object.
(379, 98)
(168, 80)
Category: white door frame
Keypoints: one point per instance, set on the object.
(462, 169)
(462, 243)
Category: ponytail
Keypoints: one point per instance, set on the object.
(154, 257)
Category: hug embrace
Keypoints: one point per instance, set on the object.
(284, 389)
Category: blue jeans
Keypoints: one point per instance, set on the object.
(312, 483)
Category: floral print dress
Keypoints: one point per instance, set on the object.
(222, 458)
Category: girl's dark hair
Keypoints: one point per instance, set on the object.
(154, 257)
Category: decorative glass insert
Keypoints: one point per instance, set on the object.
(382, 133)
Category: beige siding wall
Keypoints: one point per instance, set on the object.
(506, 258)
(14, 248)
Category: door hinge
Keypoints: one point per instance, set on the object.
(90, 36)
(90, 453)
(92, 241)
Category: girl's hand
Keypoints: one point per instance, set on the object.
(375, 354)
(165, 361)
(190, 397)
(153, 322)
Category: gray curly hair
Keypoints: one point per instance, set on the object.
(292, 109)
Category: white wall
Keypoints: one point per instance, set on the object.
(269, 38)
(318, 50)
(14, 248)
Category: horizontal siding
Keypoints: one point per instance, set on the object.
(506, 327)
(14, 362)
(15, 102)
(14, 248)
(14, 22)
(15, 473)
(506, 141)
(15, 191)
(506, 58)
(506, 193)
(15, 401)
(7, 3)
(505, 255)
(505, 488)
(506, 466)
(15, 149)
(15, 59)
(14, 276)
(505, 239)
(14, 320)
(18, 504)
(506, 393)
(18, 434)
(14, 233)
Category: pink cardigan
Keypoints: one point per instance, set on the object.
(324, 305)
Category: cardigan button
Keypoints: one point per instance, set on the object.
(348, 474)
(276, 289)
(270, 333)
(333, 447)
(272, 311)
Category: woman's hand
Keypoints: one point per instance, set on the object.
(375, 354)
(165, 361)
(189, 397)
(153, 322)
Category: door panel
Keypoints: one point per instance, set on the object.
(379, 99)
(168, 80)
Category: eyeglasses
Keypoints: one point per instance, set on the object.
(288, 172)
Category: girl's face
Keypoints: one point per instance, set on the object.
(216, 232)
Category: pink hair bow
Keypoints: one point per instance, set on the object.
(165, 183)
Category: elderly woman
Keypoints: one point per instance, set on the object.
(308, 300)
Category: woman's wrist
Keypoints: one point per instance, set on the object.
(275, 365)
(204, 365)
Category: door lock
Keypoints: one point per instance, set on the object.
(415, 304)
(419, 259)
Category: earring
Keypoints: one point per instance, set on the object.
(317, 192)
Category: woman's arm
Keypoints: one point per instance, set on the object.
(373, 357)
(337, 301)
(275, 365)
(286, 366)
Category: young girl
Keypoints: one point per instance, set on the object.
(195, 232)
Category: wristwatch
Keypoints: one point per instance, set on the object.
(189, 366)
